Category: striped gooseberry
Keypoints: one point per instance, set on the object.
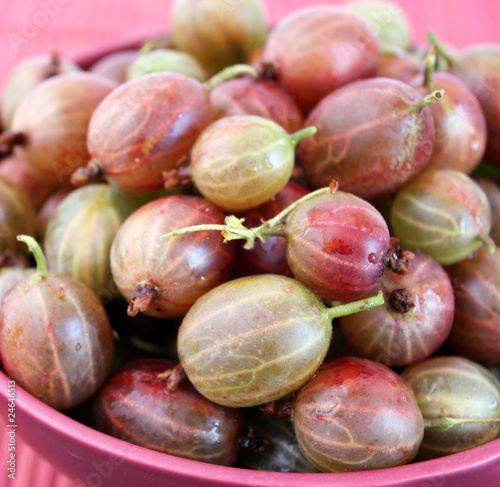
(98, 210)
(475, 333)
(492, 192)
(27, 178)
(356, 414)
(460, 403)
(156, 60)
(239, 162)
(55, 338)
(267, 257)
(17, 215)
(479, 67)
(262, 97)
(319, 48)
(136, 406)
(50, 123)
(416, 318)
(165, 280)
(373, 136)
(25, 76)
(132, 141)
(256, 339)
(442, 213)
(336, 242)
(459, 122)
(218, 34)
(387, 19)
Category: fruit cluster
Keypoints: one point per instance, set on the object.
(208, 205)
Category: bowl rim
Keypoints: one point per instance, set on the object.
(107, 446)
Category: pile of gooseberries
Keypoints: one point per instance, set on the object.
(260, 248)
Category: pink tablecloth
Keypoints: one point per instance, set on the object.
(70, 26)
(74, 26)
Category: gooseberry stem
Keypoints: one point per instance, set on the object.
(36, 250)
(302, 134)
(430, 65)
(233, 228)
(230, 73)
(430, 99)
(355, 306)
(444, 423)
(441, 49)
(488, 241)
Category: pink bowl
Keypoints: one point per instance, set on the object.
(95, 459)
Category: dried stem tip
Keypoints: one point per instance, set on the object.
(143, 296)
(9, 140)
(92, 172)
(401, 300)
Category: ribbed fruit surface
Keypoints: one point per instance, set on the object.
(335, 245)
(54, 117)
(25, 76)
(181, 268)
(460, 125)
(476, 328)
(371, 138)
(454, 387)
(246, 96)
(240, 162)
(441, 213)
(27, 178)
(145, 127)
(55, 339)
(267, 257)
(218, 34)
(253, 340)
(134, 406)
(355, 415)
(397, 338)
(320, 48)
(17, 216)
(97, 210)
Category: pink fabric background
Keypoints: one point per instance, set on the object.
(75, 26)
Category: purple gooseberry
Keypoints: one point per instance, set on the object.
(267, 257)
(136, 406)
(147, 126)
(165, 279)
(336, 242)
(262, 97)
(55, 338)
(319, 48)
(17, 215)
(415, 320)
(356, 415)
(476, 328)
(460, 126)
(373, 136)
(25, 76)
